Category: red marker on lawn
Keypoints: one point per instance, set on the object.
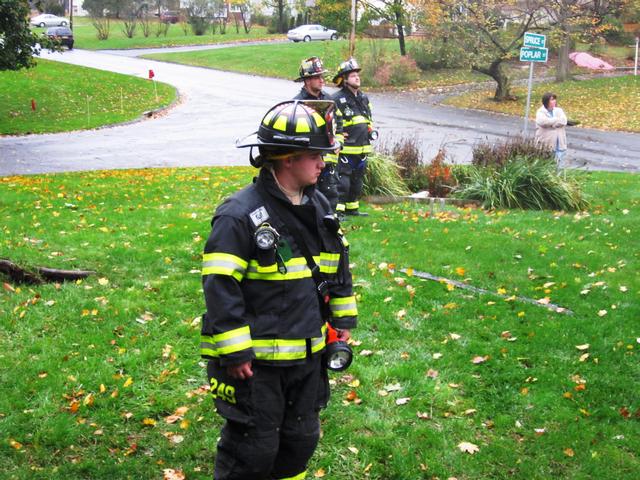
(151, 74)
(33, 105)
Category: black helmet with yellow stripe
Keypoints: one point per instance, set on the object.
(295, 125)
(345, 69)
(309, 68)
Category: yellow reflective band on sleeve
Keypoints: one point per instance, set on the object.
(328, 262)
(223, 264)
(343, 307)
(340, 207)
(225, 343)
(302, 126)
(296, 269)
(353, 205)
(300, 476)
(340, 137)
(358, 119)
(280, 123)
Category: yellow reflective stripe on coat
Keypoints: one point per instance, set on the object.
(343, 307)
(340, 207)
(225, 343)
(283, 349)
(296, 268)
(353, 205)
(300, 476)
(330, 158)
(223, 264)
(328, 262)
(356, 149)
(358, 119)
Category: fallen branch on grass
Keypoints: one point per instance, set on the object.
(41, 274)
(548, 305)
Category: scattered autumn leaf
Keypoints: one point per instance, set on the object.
(467, 447)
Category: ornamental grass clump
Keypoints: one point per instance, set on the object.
(383, 177)
(519, 173)
(526, 183)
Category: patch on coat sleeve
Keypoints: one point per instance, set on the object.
(259, 216)
(343, 100)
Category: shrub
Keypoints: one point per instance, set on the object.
(440, 180)
(102, 26)
(383, 177)
(524, 183)
(403, 70)
(496, 155)
(437, 53)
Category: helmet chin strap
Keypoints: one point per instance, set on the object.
(257, 161)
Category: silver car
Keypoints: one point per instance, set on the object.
(306, 33)
(48, 20)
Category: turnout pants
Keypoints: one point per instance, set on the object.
(328, 184)
(351, 170)
(272, 422)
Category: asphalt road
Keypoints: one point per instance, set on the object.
(216, 108)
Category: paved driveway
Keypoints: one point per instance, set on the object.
(217, 107)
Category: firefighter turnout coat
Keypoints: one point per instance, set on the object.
(262, 305)
(353, 112)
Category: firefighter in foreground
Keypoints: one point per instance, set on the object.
(275, 273)
(312, 73)
(353, 110)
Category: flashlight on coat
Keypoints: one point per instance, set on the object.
(338, 354)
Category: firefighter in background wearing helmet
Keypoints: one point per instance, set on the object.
(263, 332)
(353, 110)
(312, 74)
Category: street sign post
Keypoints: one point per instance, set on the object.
(533, 51)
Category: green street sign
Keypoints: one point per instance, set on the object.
(535, 40)
(528, 54)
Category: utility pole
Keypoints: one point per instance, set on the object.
(71, 15)
(352, 37)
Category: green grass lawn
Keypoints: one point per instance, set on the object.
(283, 60)
(85, 36)
(604, 103)
(68, 97)
(92, 370)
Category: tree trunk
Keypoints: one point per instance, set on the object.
(281, 25)
(400, 27)
(562, 69)
(495, 71)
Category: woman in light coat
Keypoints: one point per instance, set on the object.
(550, 125)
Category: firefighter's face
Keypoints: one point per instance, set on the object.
(306, 168)
(314, 85)
(353, 80)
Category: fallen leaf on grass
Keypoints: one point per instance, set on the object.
(602, 313)
(403, 400)
(479, 359)
(583, 347)
(467, 447)
(15, 444)
(320, 473)
(171, 474)
(432, 373)
(569, 452)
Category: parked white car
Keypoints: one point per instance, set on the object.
(306, 33)
(48, 20)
